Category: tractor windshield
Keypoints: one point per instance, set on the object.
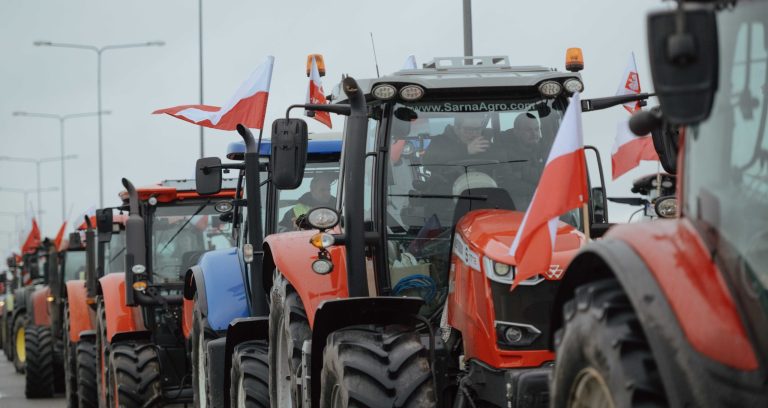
(320, 179)
(183, 232)
(74, 265)
(114, 253)
(446, 154)
(726, 174)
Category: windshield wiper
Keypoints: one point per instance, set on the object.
(418, 195)
(184, 225)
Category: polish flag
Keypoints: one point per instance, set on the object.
(247, 106)
(33, 238)
(562, 187)
(630, 84)
(316, 95)
(59, 240)
(629, 149)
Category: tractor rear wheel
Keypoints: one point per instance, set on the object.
(376, 366)
(18, 339)
(87, 371)
(39, 374)
(200, 338)
(603, 357)
(250, 376)
(134, 371)
(288, 329)
(70, 363)
(102, 355)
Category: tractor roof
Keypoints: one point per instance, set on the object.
(178, 190)
(461, 72)
(319, 144)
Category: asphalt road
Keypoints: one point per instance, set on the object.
(12, 390)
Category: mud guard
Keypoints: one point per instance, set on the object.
(239, 330)
(221, 291)
(79, 311)
(335, 314)
(689, 377)
(41, 316)
(120, 318)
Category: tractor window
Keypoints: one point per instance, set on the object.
(316, 190)
(181, 234)
(74, 265)
(114, 254)
(445, 159)
(726, 185)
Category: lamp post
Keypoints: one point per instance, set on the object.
(37, 163)
(99, 51)
(61, 119)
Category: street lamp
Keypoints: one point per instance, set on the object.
(61, 119)
(99, 51)
(37, 163)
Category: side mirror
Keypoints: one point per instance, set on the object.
(289, 152)
(597, 202)
(683, 54)
(104, 224)
(208, 175)
(665, 135)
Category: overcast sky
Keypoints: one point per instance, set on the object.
(238, 35)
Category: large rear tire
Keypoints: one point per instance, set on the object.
(200, 338)
(603, 357)
(134, 371)
(376, 366)
(102, 355)
(288, 329)
(87, 371)
(250, 376)
(19, 342)
(39, 373)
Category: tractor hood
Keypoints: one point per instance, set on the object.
(491, 232)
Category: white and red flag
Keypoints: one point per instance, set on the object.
(562, 187)
(32, 241)
(630, 84)
(247, 106)
(316, 95)
(628, 149)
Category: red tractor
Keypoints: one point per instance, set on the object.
(407, 302)
(675, 312)
(141, 336)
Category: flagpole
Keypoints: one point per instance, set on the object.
(200, 31)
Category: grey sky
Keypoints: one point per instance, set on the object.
(238, 35)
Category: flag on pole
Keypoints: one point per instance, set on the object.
(316, 95)
(630, 84)
(59, 240)
(247, 106)
(32, 241)
(628, 149)
(562, 187)
(410, 63)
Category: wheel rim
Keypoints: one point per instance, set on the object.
(284, 375)
(201, 374)
(21, 350)
(590, 391)
(240, 393)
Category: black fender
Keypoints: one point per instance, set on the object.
(241, 330)
(134, 336)
(689, 378)
(336, 314)
(194, 282)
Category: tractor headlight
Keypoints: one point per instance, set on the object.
(322, 266)
(498, 271)
(550, 89)
(322, 218)
(138, 269)
(666, 207)
(384, 91)
(411, 92)
(573, 85)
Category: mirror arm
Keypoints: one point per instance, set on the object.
(226, 166)
(340, 109)
(589, 105)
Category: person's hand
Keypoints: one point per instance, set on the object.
(478, 145)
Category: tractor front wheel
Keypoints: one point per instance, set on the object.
(603, 357)
(134, 373)
(200, 338)
(250, 376)
(19, 342)
(39, 373)
(70, 363)
(87, 371)
(376, 366)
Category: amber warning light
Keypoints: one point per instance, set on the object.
(319, 61)
(574, 60)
